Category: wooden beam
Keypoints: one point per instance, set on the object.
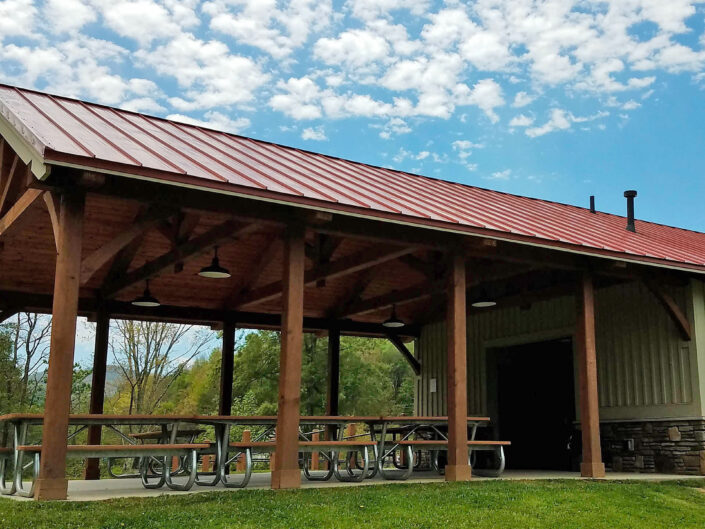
(15, 217)
(41, 303)
(52, 483)
(347, 265)
(100, 364)
(100, 257)
(457, 468)
(672, 309)
(11, 184)
(249, 278)
(428, 270)
(592, 466)
(396, 297)
(53, 204)
(184, 230)
(189, 250)
(408, 356)
(354, 295)
(286, 473)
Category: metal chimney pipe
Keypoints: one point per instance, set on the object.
(592, 204)
(629, 195)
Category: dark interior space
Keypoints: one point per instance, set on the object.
(535, 404)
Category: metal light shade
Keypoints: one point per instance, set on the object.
(483, 301)
(393, 322)
(146, 299)
(214, 270)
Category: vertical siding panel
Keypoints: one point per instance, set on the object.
(641, 361)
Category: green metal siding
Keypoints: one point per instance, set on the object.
(644, 368)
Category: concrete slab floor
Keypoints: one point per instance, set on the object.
(125, 488)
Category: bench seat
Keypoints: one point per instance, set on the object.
(127, 450)
(438, 445)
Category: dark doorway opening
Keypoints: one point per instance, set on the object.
(535, 404)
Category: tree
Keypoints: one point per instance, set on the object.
(30, 334)
(151, 356)
(9, 373)
(374, 378)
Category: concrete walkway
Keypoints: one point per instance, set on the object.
(125, 488)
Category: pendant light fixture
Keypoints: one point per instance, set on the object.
(146, 299)
(393, 322)
(214, 270)
(483, 300)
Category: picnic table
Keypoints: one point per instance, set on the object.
(176, 437)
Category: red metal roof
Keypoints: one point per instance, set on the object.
(68, 131)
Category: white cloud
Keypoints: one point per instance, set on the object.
(395, 63)
(17, 18)
(631, 105)
(394, 126)
(561, 120)
(521, 121)
(210, 74)
(141, 20)
(501, 175)
(68, 15)
(267, 25)
(486, 94)
(354, 48)
(314, 133)
(521, 99)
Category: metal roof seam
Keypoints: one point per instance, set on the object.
(53, 122)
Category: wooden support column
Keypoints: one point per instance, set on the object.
(457, 468)
(333, 388)
(592, 465)
(226, 369)
(52, 483)
(286, 472)
(100, 362)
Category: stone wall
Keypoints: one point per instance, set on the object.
(672, 447)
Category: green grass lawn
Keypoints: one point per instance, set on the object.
(489, 504)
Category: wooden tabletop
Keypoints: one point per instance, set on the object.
(245, 420)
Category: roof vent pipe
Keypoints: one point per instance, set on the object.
(592, 204)
(629, 195)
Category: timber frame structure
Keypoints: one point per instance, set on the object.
(80, 234)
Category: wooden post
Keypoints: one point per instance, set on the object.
(241, 463)
(457, 468)
(100, 361)
(333, 388)
(592, 465)
(206, 463)
(226, 369)
(286, 472)
(52, 483)
(314, 455)
(352, 430)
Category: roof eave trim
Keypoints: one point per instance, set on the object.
(11, 129)
(189, 182)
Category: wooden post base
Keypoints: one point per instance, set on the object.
(286, 479)
(92, 470)
(592, 470)
(51, 489)
(458, 473)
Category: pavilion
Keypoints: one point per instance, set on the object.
(100, 206)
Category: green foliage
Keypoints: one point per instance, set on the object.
(9, 372)
(374, 378)
(568, 504)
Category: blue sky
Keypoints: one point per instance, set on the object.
(555, 99)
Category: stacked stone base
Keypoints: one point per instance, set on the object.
(670, 447)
